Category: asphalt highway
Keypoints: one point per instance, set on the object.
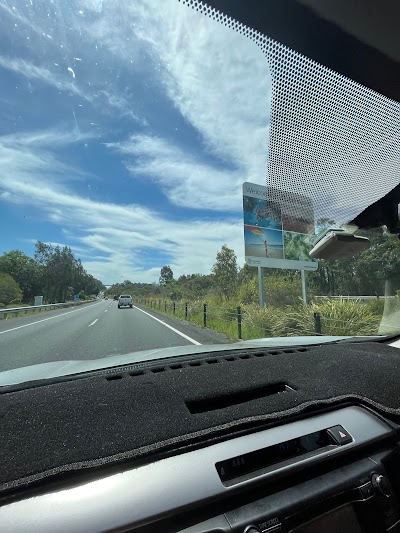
(92, 331)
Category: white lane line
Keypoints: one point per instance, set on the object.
(170, 327)
(94, 322)
(106, 310)
(43, 320)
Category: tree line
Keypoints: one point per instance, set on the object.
(375, 272)
(54, 273)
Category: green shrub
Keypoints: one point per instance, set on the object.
(338, 317)
(10, 291)
(269, 321)
(279, 291)
(376, 306)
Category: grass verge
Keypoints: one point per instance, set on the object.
(338, 317)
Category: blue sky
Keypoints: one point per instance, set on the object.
(126, 132)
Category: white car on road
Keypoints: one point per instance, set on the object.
(125, 300)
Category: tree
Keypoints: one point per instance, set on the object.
(365, 273)
(225, 270)
(62, 275)
(24, 270)
(10, 291)
(100, 287)
(166, 275)
(246, 274)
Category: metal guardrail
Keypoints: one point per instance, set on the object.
(17, 310)
(347, 297)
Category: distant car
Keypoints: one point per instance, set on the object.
(125, 300)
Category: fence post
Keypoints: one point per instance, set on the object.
(174, 307)
(205, 315)
(239, 322)
(317, 323)
(186, 311)
(165, 306)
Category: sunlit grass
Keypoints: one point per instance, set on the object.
(338, 317)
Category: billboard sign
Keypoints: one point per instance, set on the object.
(279, 228)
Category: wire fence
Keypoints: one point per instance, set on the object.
(243, 322)
(225, 319)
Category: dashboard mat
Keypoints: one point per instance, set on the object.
(84, 423)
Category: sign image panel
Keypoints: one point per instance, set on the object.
(263, 242)
(279, 228)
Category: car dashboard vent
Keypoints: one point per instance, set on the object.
(154, 368)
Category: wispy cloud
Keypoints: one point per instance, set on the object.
(50, 138)
(104, 99)
(216, 79)
(177, 53)
(124, 235)
(184, 177)
(34, 72)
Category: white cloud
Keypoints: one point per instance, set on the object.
(104, 100)
(128, 237)
(184, 177)
(220, 82)
(50, 138)
(216, 78)
(34, 72)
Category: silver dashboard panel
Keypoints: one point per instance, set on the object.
(133, 497)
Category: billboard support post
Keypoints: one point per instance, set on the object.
(261, 289)
(303, 286)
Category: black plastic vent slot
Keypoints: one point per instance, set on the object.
(241, 356)
(114, 377)
(236, 398)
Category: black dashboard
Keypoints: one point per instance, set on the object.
(294, 439)
(334, 471)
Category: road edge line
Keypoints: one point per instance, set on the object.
(169, 327)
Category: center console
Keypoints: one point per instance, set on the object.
(334, 472)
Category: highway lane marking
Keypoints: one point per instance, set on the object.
(106, 310)
(94, 322)
(43, 320)
(170, 327)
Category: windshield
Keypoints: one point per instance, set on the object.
(154, 150)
